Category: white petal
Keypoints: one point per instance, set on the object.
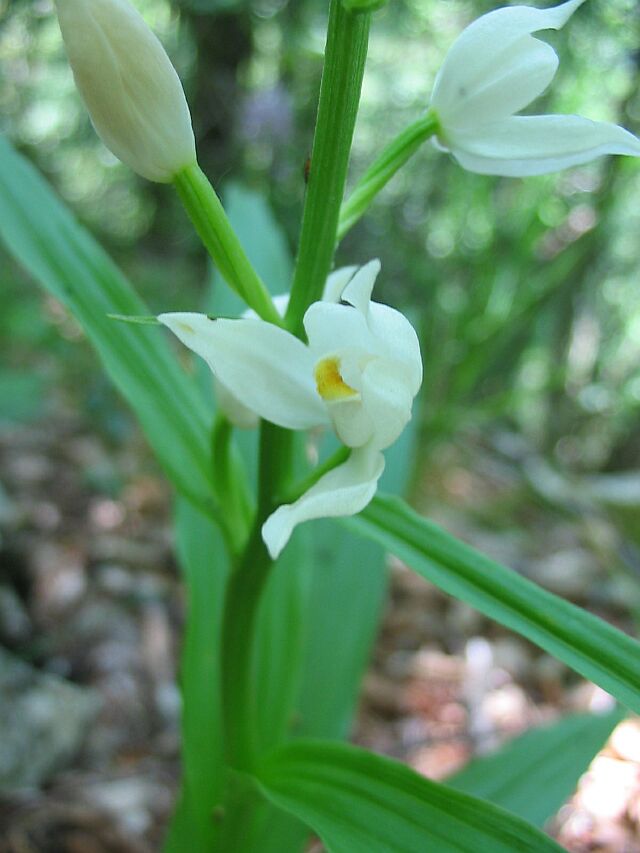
(495, 67)
(344, 491)
(332, 327)
(387, 399)
(536, 145)
(267, 369)
(397, 340)
(336, 283)
(358, 291)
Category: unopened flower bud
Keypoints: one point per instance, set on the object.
(131, 89)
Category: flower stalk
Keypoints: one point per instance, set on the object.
(392, 158)
(212, 224)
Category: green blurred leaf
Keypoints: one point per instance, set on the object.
(41, 233)
(280, 640)
(23, 396)
(593, 648)
(359, 802)
(212, 7)
(348, 588)
(533, 775)
(205, 567)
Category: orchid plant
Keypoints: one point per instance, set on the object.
(261, 771)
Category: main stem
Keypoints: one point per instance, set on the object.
(345, 55)
(339, 97)
(242, 602)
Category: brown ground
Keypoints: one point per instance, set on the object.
(88, 592)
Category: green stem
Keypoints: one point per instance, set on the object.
(394, 156)
(290, 495)
(339, 96)
(207, 214)
(345, 55)
(230, 485)
(241, 607)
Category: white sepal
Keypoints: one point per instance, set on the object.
(493, 70)
(237, 413)
(267, 369)
(345, 490)
(536, 145)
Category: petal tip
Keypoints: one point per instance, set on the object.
(276, 532)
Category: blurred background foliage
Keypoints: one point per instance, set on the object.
(525, 291)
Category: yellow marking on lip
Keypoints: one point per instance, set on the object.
(185, 327)
(330, 384)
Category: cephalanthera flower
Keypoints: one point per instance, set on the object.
(359, 373)
(493, 70)
(131, 89)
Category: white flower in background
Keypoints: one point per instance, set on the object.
(131, 89)
(493, 70)
(359, 373)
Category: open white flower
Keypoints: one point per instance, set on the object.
(494, 69)
(359, 373)
(131, 89)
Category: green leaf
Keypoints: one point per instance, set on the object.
(205, 566)
(533, 775)
(592, 647)
(261, 236)
(280, 636)
(348, 590)
(359, 802)
(42, 235)
(349, 583)
(23, 396)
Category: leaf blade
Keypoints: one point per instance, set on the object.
(45, 238)
(534, 774)
(205, 567)
(359, 802)
(587, 644)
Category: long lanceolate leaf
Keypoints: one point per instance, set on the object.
(359, 802)
(593, 648)
(205, 567)
(45, 238)
(534, 774)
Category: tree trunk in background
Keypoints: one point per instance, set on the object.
(223, 42)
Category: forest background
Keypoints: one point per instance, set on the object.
(525, 293)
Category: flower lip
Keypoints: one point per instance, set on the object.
(329, 381)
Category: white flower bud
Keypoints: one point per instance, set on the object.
(131, 89)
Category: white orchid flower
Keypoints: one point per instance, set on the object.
(359, 373)
(493, 70)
